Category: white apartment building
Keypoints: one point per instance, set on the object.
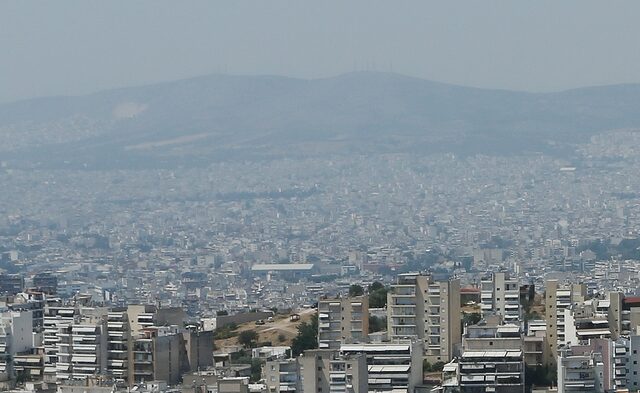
(325, 370)
(419, 307)
(391, 367)
(500, 294)
(119, 344)
(580, 373)
(492, 359)
(557, 299)
(15, 337)
(55, 318)
(282, 375)
(343, 320)
(583, 322)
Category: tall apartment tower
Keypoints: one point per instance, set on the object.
(56, 317)
(119, 346)
(557, 299)
(500, 295)
(284, 375)
(323, 370)
(15, 337)
(82, 350)
(343, 320)
(420, 307)
(623, 314)
(492, 358)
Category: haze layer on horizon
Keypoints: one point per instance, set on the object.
(76, 47)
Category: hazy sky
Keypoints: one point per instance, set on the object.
(72, 47)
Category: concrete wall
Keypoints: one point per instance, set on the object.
(199, 346)
(223, 320)
(22, 327)
(167, 356)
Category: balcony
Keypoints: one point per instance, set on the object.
(402, 325)
(403, 331)
(403, 321)
(142, 373)
(403, 289)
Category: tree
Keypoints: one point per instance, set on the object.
(242, 357)
(356, 290)
(540, 376)
(471, 318)
(377, 295)
(307, 337)
(248, 338)
(226, 331)
(428, 367)
(256, 370)
(377, 324)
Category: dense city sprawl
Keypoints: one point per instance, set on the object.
(348, 273)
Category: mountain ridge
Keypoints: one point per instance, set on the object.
(369, 112)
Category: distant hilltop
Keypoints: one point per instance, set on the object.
(225, 117)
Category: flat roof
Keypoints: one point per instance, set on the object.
(450, 367)
(265, 267)
(508, 329)
(374, 347)
(593, 332)
(491, 354)
(393, 368)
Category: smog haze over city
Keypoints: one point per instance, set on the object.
(238, 191)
